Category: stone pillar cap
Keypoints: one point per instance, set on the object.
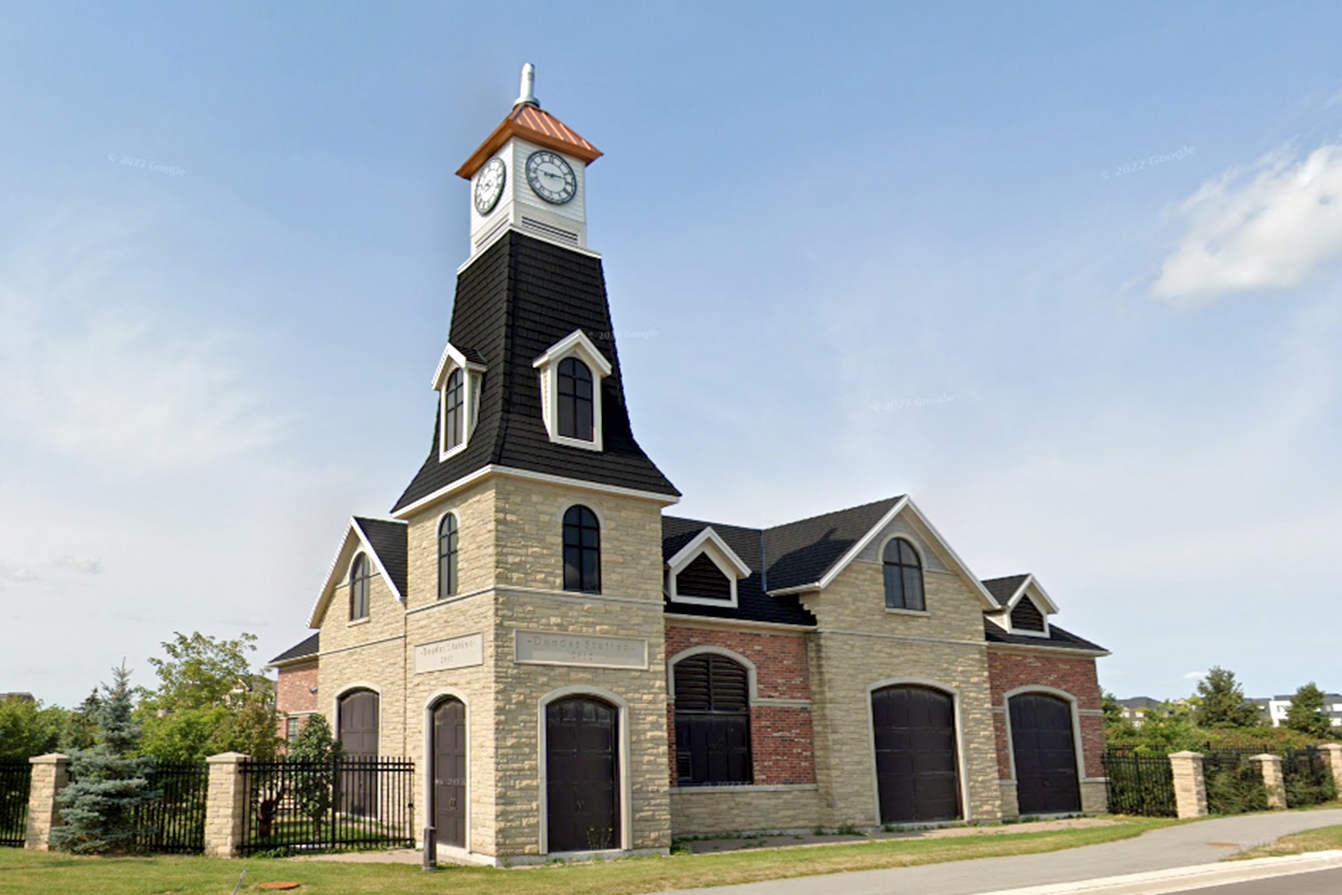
(228, 758)
(1263, 756)
(1186, 754)
(49, 758)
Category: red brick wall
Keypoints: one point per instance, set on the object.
(293, 691)
(1072, 674)
(781, 738)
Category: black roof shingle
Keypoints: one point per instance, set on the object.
(1057, 638)
(388, 540)
(308, 649)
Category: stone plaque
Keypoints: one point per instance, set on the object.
(459, 652)
(539, 648)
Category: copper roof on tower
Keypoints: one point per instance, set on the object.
(537, 126)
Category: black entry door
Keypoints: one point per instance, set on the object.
(358, 736)
(582, 775)
(917, 776)
(1045, 750)
(449, 772)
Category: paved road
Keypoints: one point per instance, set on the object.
(1325, 882)
(1204, 842)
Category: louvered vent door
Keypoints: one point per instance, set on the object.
(712, 721)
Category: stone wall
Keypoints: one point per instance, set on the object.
(860, 645)
(707, 810)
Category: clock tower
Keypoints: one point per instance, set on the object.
(529, 175)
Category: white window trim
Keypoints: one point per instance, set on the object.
(472, 378)
(575, 344)
(625, 782)
(439, 696)
(708, 543)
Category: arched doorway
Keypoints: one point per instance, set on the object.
(917, 771)
(582, 774)
(1043, 745)
(358, 721)
(449, 771)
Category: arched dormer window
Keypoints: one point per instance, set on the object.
(576, 416)
(582, 550)
(712, 721)
(447, 556)
(359, 576)
(903, 576)
(454, 410)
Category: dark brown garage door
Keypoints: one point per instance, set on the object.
(1044, 747)
(449, 772)
(582, 774)
(358, 736)
(917, 777)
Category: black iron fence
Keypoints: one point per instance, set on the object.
(15, 780)
(1233, 781)
(295, 807)
(174, 823)
(1308, 779)
(1139, 783)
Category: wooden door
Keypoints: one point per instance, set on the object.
(449, 772)
(1044, 746)
(358, 712)
(582, 775)
(917, 775)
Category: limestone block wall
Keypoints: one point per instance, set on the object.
(706, 810)
(858, 645)
(477, 545)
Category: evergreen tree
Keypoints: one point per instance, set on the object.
(317, 747)
(1220, 702)
(81, 728)
(1306, 713)
(98, 809)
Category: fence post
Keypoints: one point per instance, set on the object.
(1333, 755)
(1269, 768)
(225, 804)
(1190, 790)
(51, 774)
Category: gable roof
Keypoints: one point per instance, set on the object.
(801, 553)
(385, 542)
(752, 602)
(1011, 590)
(696, 546)
(535, 125)
(1003, 589)
(514, 301)
(308, 649)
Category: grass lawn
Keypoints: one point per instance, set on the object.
(1322, 839)
(31, 873)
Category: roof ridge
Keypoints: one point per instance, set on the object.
(1006, 577)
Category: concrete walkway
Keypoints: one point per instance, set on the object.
(1204, 842)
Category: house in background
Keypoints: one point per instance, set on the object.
(1278, 706)
(575, 670)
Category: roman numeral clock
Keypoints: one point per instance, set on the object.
(529, 176)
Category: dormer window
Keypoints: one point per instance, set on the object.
(576, 416)
(458, 381)
(705, 572)
(1025, 606)
(571, 372)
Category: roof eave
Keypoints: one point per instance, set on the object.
(509, 129)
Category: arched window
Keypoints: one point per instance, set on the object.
(575, 400)
(903, 576)
(454, 410)
(582, 550)
(358, 588)
(712, 721)
(447, 556)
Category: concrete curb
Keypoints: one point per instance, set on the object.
(1185, 879)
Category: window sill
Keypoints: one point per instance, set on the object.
(920, 613)
(358, 621)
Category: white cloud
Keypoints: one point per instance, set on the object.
(17, 574)
(1270, 225)
(89, 565)
(1195, 676)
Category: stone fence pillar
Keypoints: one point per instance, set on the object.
(51, 774)
(1269, 767)
(1190, 791)
(225, 804)
(1332, 753)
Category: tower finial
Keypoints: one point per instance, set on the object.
(527, 95)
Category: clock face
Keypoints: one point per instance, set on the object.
(489, 185)
(550, 177)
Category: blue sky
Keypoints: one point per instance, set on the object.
(1065, 273)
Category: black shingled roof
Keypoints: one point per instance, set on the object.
(753, 604)
(517, 299)
(305, 650)
(1057, 638)
(1003, 589)
(800, 553)
(388, 540)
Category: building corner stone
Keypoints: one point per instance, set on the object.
(225, 804)
(1190, 790)
(50, 775)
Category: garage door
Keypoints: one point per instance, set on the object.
(1044, 747)
(917, 777)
